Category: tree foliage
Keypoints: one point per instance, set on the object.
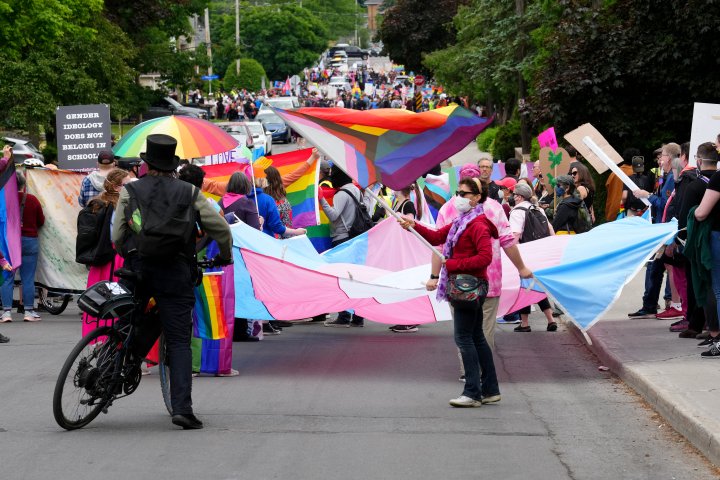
(284, 39)
(411, 28)
(632, 68)
(251, 75)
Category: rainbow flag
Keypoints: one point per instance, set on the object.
(390, 146)
(209, 312)
(9, 219)
(301, 193)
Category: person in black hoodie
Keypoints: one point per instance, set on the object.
(566, 213)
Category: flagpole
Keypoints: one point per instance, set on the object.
(257, 207)
(398, 217)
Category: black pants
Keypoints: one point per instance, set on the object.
(346, 316)
(544, 304)
(171, 285)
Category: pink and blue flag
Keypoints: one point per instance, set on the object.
(9, 219)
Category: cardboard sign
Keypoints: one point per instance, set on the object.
(705, 126)
(553, 164)
(575, 138)
(82, 131)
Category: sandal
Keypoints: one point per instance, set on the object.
(520, 328)
(552, 326)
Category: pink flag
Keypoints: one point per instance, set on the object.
(548, 139)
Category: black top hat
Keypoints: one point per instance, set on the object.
(160, 153)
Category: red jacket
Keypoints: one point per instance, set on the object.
(33, 217)
(473, 250)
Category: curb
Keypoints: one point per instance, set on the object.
(682, 417)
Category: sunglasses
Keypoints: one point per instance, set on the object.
(460, 193)
(574, 174)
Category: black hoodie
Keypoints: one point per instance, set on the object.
(566, 214)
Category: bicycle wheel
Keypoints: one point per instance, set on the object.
(81, 391)
(164, 370)
(53, 304)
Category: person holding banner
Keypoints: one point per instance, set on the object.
(467, 250)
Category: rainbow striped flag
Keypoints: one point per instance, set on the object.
(209, 313)
(301, 193)
(390, 146)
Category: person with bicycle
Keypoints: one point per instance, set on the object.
(155, 227)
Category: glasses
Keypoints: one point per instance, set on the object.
(574, 174)
(700, 159)
(460, 193)
(485, 167)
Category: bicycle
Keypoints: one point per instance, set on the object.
(101, 369)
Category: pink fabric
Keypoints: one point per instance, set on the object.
(407, 250)
(680, 281)
(98, 274)
(230, 198)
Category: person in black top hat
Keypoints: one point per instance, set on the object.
(155, 229)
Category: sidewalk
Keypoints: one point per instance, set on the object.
(665, 370)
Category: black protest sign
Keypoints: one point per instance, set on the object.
(82, 131)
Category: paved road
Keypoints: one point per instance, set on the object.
(316, 403)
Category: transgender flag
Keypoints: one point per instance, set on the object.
(9, 219)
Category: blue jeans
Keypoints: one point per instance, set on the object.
(477, 359)
(30, 251)
(715, 272)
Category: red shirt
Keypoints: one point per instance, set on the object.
(33, 217)
(473, 251)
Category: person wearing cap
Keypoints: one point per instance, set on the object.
(506, 184)
(523, 193)
(566, 213)
(92, 185)
(169, 280)
(130, 164)
(634, 206)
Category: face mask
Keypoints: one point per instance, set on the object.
(559, 191)
(462, 204)
(511, 201)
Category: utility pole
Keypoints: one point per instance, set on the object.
(237, 36)
(522, 88)
(209, 46)
(357, 44)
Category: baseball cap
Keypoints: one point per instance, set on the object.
(106, 156)
(638, 164)
(506, 182)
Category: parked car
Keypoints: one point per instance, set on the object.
(277, 127)
(261, 137)
(22, 149)
(168, 106)
(350, 50)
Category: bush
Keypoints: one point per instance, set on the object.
(507, 138)
(486, 138)
(251, 75)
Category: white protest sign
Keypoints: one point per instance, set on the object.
(705, 126)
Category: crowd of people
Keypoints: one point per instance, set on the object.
(484, 217)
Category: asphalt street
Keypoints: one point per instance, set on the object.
(351, 403)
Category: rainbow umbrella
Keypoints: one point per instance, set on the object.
(196, 137)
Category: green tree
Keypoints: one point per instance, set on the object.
(632, 68)
(412, 28)
(284, 39)
(251, 75)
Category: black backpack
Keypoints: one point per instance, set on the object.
(93, 245)
(536, 224)
(163, 217)
(362, 222)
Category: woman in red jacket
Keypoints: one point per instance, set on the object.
(467, 249)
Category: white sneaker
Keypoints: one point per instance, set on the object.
(6, 317)
(465, 402)
(31, 316)
(231, 373)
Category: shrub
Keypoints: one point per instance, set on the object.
(486, 138)
(251, 75)
(507, 138)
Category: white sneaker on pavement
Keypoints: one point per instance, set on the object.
(31, 316)
(465, 402)
(6, 316)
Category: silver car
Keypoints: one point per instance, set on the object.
(23, 149)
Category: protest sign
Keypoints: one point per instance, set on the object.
(548, 139)
(553, 164)
(576, 138)
(82, 131)
(705, 126)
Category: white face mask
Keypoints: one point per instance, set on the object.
(462, 204)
